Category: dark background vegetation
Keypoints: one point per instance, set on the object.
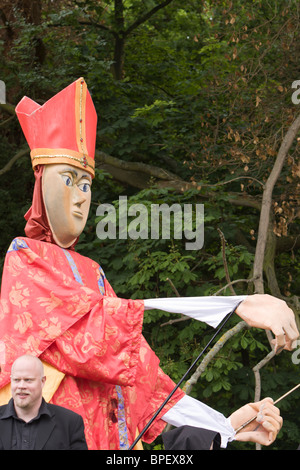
(194, 100)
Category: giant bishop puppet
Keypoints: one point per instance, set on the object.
(58, 305)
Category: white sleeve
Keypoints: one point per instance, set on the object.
(210, 310)
(190, 412)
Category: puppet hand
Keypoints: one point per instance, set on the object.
(264, 429)
(269, 313)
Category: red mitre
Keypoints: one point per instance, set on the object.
(63, 130)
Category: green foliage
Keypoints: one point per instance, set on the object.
(205, 93)
(236, 256)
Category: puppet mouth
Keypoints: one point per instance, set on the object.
(78, 214)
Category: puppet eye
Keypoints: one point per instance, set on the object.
(84, 187)
(67, 180)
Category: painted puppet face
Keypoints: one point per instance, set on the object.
(67, 198)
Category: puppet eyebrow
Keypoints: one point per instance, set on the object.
(69, 170)
(75, 173)
(86, 176)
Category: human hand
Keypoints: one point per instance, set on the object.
(270, 313)
(264, 429)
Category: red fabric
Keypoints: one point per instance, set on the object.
(57, 305)
(37, 226)
(94, 338)
(53, 125)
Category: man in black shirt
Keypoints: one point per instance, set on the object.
(27, 422)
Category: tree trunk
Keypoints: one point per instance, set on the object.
(117, 67)
(267, 202)
(269, 268)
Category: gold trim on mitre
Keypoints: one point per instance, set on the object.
(80, 102)
(71, 157)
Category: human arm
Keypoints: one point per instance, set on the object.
(208, 309)
(191, 412)
(270, 313)
(258, 310)
(264, 429)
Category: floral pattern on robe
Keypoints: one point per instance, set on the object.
(57, 304)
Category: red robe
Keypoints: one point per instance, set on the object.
(58, 305)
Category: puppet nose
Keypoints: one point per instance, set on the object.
(78, 197)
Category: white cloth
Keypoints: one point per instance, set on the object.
(188, 410)
(210, 310)
(191, 412)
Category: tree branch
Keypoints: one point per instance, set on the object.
(134, 174)
(8, 166)
(268, 266)
(216, 348)
(267, 201)
(256, 371)
(234, 282)
(8, 108)
(136, 166)
(146, 16)
(223, 241)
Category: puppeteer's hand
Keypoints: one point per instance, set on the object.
(269, 313)
(264, 429)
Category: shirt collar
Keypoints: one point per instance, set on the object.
(10, 411)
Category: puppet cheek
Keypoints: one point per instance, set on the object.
(58, 204)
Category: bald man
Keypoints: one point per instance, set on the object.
(27, 422)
